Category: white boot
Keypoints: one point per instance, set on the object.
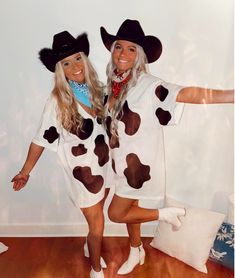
(86, 254)
(171, 216)
(95, 274)
(136, 256)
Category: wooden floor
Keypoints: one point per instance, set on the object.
(63, 258)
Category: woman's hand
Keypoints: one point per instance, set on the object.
(19, 181)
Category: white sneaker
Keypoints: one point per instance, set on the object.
(86, 254)
(171, 215)
(136, 256)
(95, 274)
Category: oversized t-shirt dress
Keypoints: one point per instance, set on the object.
(138, 158)
(84, 156)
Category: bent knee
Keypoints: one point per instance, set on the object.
(115, 215)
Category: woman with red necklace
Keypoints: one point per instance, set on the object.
(138, 106)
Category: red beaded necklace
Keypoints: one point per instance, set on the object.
(117, 85)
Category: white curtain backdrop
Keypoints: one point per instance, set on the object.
(197, 38)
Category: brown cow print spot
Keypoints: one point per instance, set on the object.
(79, 150)
(99, 120)
(161, 92)
(112, 143)
(51, 134)
(92, 183)
(101, 150)
(130, 119)
(85, 131)
(136, 172)
(163, 116)
(108, 124)
(105, 99)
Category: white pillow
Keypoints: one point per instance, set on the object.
(192, 243)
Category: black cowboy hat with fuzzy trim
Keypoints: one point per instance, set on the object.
(64, 45)
(130, 30)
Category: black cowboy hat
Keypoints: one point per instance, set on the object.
(130, 30)
(64, 45)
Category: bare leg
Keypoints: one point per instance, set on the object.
(95, 218)
(123, 210)
(106, 193)
(134, 232)
(137, 253)
(86, 251)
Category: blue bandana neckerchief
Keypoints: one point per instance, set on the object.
(81, 92)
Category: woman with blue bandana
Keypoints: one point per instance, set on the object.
(71, 125)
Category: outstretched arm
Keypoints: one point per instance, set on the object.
(34, 153)
(196, 95)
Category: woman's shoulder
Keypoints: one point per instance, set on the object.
(148, 79)
(51, 102)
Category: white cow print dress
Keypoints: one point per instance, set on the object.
(84, 155)
(138, 157)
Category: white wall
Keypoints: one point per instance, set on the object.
(197, 37)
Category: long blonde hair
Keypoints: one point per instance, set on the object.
(67, 112)
(116, 111)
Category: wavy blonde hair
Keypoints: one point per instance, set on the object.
(117, 110)
(67, 111)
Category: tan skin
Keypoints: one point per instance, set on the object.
(73, 67)
(124, 210)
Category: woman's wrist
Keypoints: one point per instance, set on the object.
(24, 174)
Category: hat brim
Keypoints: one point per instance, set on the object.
(151, 45)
